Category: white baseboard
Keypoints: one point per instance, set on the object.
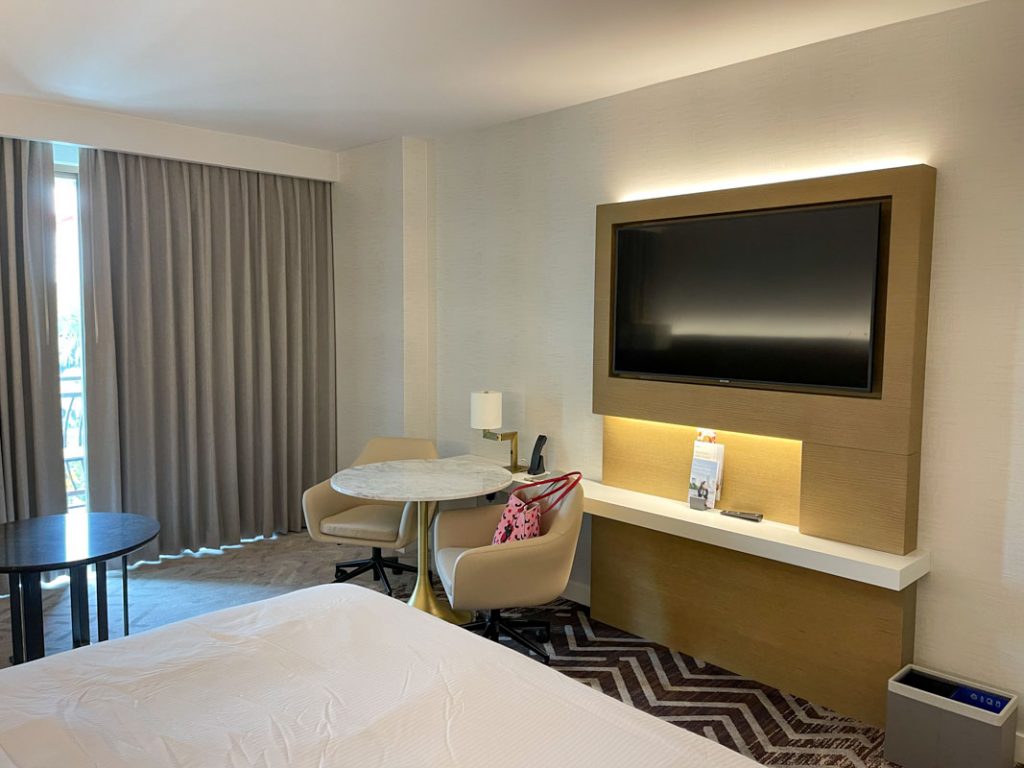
(578, 592)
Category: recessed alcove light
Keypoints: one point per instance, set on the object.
(769, 178)
(761, 473)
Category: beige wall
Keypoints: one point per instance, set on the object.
(384, 284)
(515, 250)
(46, 121)
(419, 289)
(368, 280)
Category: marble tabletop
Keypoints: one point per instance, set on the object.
(460, 477)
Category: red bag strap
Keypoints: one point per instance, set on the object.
(561, 485)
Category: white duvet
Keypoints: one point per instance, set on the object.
(330, 676)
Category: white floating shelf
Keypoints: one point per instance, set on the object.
(774, 541)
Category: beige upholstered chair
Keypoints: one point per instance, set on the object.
(340, 519)
(478, 575)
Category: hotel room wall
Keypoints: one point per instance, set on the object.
(515, 250)
(419, 288)
(368, 286)
(385, 283)
(46, 121)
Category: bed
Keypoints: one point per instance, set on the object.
(335, 675)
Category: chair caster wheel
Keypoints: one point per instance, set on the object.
(543, 634)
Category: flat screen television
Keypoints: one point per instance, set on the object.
(782, 298)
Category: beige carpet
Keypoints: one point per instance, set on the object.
(192, 584)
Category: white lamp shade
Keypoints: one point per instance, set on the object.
(485, 410)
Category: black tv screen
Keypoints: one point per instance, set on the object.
(784, 298)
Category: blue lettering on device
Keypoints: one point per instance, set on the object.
(975, 697)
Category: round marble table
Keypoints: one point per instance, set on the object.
(424, 481)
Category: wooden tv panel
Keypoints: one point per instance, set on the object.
(853, 479)
(861, 454)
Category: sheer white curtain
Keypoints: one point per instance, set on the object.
(31, 444)
(209, 325)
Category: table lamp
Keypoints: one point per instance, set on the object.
(485, 414)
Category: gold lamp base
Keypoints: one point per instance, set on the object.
(513, 454)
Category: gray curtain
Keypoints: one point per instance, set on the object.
(209, 314)
(31, 442)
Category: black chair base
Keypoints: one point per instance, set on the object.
(495, 626)
(377, 564)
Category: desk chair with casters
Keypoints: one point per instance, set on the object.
(481, 576)
(339, 519)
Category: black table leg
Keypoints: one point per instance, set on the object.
(124, 589)
(32, 615)
(102, 632)
(79, 606)
(17, 640)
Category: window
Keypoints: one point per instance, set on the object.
(69, 326)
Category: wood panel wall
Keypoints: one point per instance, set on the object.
(858, 474)
(847, 470)
(761, 474)
(830, 640)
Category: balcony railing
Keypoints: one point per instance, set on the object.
(72, 407)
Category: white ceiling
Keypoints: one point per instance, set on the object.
(335, 74)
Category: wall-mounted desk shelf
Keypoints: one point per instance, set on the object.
(774, 541)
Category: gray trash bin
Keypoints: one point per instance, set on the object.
(937, 721)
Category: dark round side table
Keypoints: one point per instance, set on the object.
(73, 541)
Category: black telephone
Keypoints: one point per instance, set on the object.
(537, 460)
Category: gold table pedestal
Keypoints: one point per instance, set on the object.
(423, 597)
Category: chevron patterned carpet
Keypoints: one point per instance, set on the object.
(762, 723)
(765, 724)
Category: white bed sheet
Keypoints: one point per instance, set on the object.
(330, 676)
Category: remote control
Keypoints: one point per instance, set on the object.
(754, 517)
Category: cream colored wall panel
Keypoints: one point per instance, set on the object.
(418, 289)
(516, 226)
(368, 286)
(48, 121)
(384, 239)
